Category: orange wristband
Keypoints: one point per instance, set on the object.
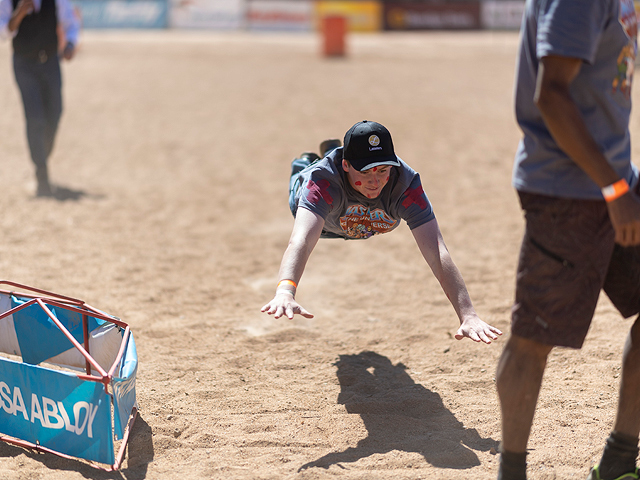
(615, 190)
(287, 282)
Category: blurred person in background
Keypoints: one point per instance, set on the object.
(33, 26)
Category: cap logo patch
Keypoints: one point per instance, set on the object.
(374, 141)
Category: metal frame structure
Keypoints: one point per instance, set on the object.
(44, 299)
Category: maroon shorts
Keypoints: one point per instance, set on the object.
(567, 256)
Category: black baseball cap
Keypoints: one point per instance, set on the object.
(367, 145)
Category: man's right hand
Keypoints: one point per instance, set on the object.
(25, 7)
(624, 213)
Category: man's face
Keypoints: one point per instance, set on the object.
(369, 182)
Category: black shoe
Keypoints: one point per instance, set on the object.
(328, 145)
(44, 190)
(44, 187)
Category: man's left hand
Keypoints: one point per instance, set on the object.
(69, 51)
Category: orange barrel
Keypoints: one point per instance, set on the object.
(334, 31)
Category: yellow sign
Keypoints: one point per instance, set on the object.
(362, 16)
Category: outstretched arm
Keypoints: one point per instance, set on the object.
(431, 244)
(306, 232)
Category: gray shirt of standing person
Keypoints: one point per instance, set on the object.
(592, 32)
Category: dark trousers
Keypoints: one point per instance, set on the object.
(40, 84)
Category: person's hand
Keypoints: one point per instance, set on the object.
(477, 330)
(24, 7)
(624, 213)
(69, 51)
(284, 304)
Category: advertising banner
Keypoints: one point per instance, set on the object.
(362, 16)
(56, 410)
(38, 336)
(432, 16)
(208, 14)
(75, 360)
(281, 15)
(123, 13)
(501, 14)
(124, 388)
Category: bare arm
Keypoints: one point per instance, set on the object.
(306, 232)
(24, 8)
(565, 122)
(70, 23)
(431, 244)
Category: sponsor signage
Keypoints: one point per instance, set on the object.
(52, 401)
(362, 16)
(281, 15)
(123, 13)
(55, 410)
(502, 14)
(208, 14)
(428, 16)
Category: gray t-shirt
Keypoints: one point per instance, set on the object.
(602, 33)
(325, 190)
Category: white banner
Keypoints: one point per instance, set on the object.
(501, 14)
(209, 14)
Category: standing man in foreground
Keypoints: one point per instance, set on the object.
(357, 192)
(33, 26)
(578, 191)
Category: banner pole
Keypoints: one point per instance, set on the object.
(85, 331)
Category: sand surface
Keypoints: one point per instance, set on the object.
(172, 165)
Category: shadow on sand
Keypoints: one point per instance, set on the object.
(400, 414)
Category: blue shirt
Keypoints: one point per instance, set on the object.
(325, 190)
(601, 33)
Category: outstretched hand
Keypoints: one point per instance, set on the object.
(284, 304)
(477, 330)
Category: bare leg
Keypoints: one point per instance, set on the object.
(621, 449)
(628, 417)
(519, 377)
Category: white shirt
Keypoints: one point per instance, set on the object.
(66, 17)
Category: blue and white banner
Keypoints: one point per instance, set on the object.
(57, 410)
(124, 388)
(123, 13)
(39, 337)
(208, 14)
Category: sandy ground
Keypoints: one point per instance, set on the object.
(172, 164)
